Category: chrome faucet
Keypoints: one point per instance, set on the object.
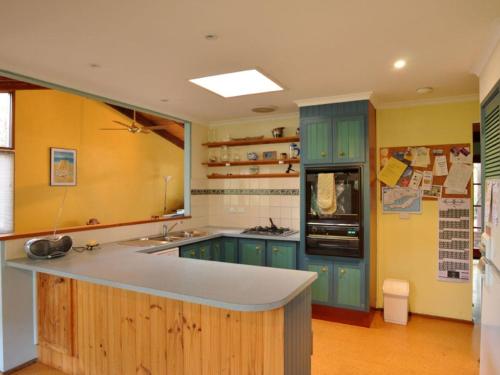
(167, 230)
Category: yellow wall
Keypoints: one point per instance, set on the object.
(119, 173)
(407, 249)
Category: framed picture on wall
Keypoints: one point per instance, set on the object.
(62, 167)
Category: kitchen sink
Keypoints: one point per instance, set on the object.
(164, 240)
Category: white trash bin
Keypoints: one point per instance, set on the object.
(396, 293)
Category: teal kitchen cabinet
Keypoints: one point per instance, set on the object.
(282, 254)
(230, 246)
(190, 251)
(252, 252)
(204, 249)
(217, 250)
(316, 140)
(348, 282)
(349, 140)
(321, 288)
(199, 250)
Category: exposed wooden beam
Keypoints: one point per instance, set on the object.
(9, 84)
(147, 121)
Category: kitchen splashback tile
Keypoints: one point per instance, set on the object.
(247, 191)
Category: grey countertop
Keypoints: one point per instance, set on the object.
(224, 285)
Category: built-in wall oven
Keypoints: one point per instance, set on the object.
(334, 211)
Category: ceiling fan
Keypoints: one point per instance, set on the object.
(135, 127)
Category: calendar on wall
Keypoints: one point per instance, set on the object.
(454, 242)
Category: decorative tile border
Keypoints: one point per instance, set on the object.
(245, 191)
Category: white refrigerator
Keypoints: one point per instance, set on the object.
(490, 309)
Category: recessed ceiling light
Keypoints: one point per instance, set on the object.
(424, 90)
(211, 37)
(400, 64)
(245, 82)
(94, 65)
(163, 100)
(265, 109)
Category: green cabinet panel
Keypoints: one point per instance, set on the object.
(316, 140)
(349, 140)
(252, 252)
(322, 285)
(217, 250)
(190, 251)
(348, 285)
(282, 254)
(204, 249)
(230, 250)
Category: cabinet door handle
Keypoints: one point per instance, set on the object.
(323, 154)
(342, 271)
(275, 250)
(324, 269)
(192, 253)
(342, 153)
(202, 251)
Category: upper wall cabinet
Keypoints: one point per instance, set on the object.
(349, 140)
(316, 136)
(334, 133)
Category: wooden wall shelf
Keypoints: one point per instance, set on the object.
(252, 162)
(260, 175)
(262, 141)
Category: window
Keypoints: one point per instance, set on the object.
(5, 120)
(6, 164)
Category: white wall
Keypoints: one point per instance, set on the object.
(250, 210)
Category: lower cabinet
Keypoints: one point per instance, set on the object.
(321, 288)
(217, 250)
(230, 246)
(199, 250)
(252, 252)
(190, 251)
(282, 254)
(348, 281)
(56, 313)
(205, 250)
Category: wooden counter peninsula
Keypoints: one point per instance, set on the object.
(117, 311)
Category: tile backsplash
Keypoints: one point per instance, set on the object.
(246, 203)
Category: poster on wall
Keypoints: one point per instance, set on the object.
(62, 167)
(403, 200)
(454, 239)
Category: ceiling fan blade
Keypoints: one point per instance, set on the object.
(122, 123)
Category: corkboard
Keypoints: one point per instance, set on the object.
(437, 180)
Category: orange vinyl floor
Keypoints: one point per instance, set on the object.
(425, 346)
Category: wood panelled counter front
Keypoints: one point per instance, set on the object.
(86, 328)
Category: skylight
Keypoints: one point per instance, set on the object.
(245, 82)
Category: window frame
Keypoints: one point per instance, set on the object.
(11, 150)
(12, 121)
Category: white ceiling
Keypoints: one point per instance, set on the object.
(149, 49)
